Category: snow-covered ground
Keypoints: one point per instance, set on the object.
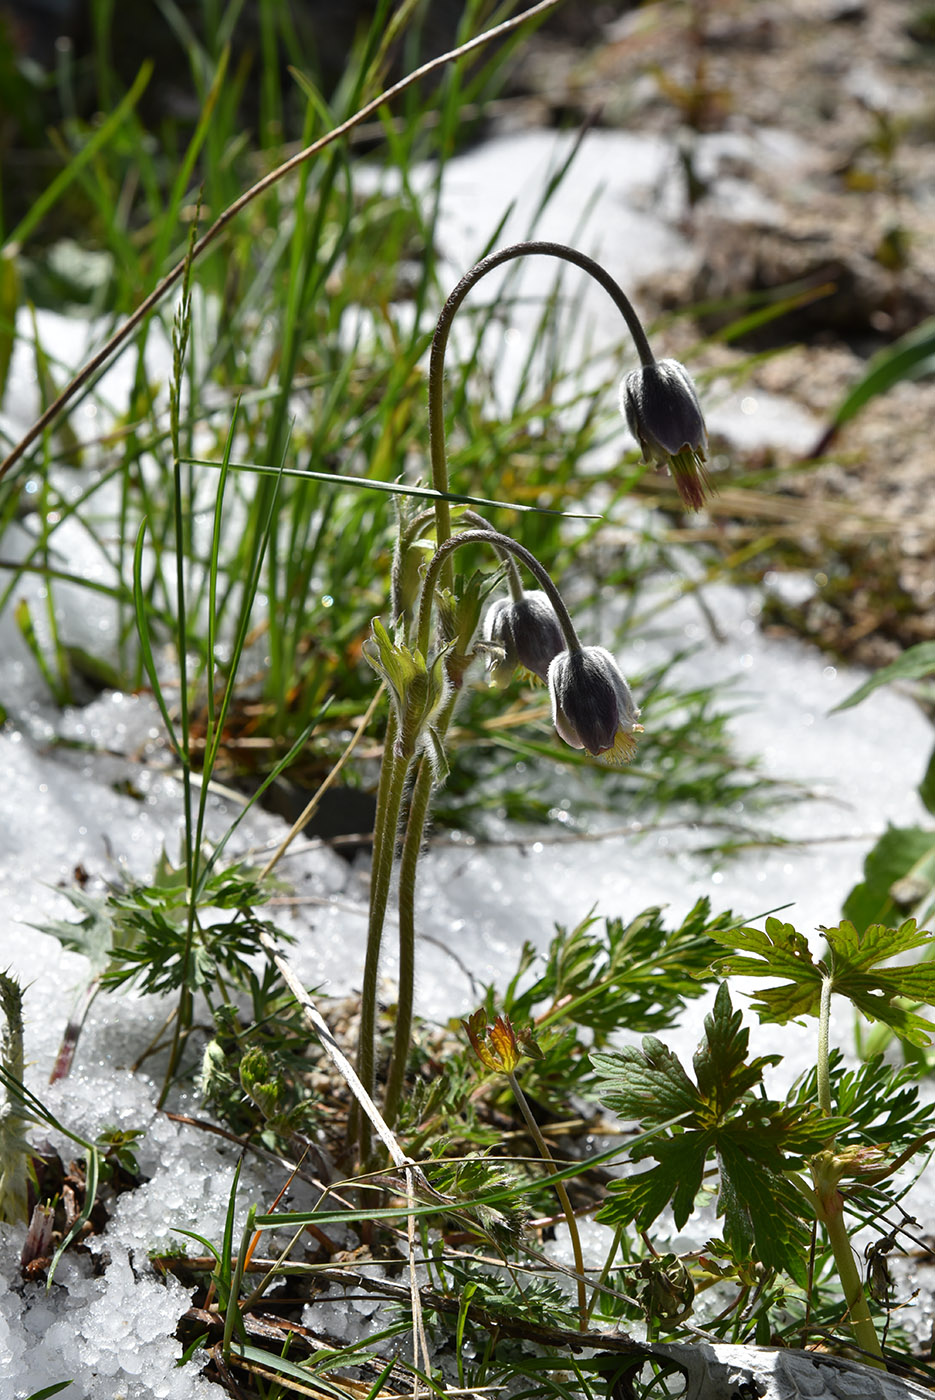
(110, 1328)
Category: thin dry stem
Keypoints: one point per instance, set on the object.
(413, 1174)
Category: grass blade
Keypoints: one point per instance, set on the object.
(396, 488)
(914, 665)
(296, 1379)
(123, 332)
(146, 646)
(910, 357)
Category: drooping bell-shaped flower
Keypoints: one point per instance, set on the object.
(663, 414)
(592, 707)
(521, 632)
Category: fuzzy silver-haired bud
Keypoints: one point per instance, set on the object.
(592, 707)
(523, 632)
(663, 414)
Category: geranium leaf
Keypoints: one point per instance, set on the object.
(776, 951)
(720, 1061)
(854, 967)
(648, 1084)
(756, 1141)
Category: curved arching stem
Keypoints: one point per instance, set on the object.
(509, 550)
(513, 577)
(409, 860)
(502, 544)
(410, 533)
(437, 450)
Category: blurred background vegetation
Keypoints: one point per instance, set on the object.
(119, 126)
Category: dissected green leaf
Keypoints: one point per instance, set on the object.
(637, 974)
(854, 966)
(761, 1210)
(778, 950)
(856, 952)
(140, 935)
(756, 1141)
(599, 976)
(648, 1084)
(877, 991)
(93, 935)
(720, 1065)
(675, 1180)
(880, 1100)
(539, 1300)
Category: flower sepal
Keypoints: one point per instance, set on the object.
(521, 632)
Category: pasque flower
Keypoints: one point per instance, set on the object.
(662, 411)
(521, 632)
(592, 707)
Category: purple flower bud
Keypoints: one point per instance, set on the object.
(526, 632)
(592, 707)
(663, 414)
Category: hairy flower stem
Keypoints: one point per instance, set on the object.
(513, 577)
(562, 1194)
(502, 543)
(419, 806)
(829, 1204)
(417, 524)
(409, 859)
(830, 1211)
(419, 800)
(389, 799)
(824, 1063)
(440, 341)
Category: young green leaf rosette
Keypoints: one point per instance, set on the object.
(592, 707)
(521, 632)
(662, 411)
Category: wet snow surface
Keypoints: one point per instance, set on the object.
(110, 1328)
